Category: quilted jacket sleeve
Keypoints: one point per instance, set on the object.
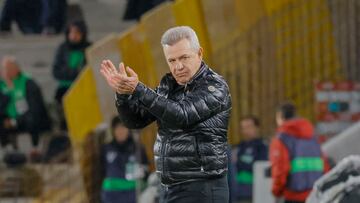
(130, 112)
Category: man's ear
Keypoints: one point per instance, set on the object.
(200, 53)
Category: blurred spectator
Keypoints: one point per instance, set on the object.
(54, 16)
(25, 109)
(295, 155)
(251, 149)
(120, 161)
(27, 14)
(135, 8)
(70, 59)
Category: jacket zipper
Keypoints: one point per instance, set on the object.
(197, 148)
(164, 149)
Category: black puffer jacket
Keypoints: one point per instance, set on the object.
(193, 119)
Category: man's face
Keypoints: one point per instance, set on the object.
(121, 133)
(9, 69)
(279, 119)
(75, 36)
(183, 60)
(249, 129)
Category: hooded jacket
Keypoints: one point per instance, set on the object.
(280, 158)
(64, 69)
(192, 120)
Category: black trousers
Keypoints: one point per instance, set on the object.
(8, 136)
(27, 15)
(203, 191)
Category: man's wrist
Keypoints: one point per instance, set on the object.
(138, 89)
(121, 98)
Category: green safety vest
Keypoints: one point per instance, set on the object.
(244, 177)
(118, 184)
(16, 94)
(306, 164)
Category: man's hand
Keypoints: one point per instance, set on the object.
(119, 80)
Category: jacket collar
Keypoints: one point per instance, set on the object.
(198, 74)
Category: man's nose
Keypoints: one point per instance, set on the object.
(179, 66)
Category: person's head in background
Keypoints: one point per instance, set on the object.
(9, 68)
(76, 33)
(250, 127)
(285, 111)
(119, 132)
(182, 52)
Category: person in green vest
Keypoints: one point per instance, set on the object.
(25, 109)
(69, 60)
(120, 161)
(252, 148)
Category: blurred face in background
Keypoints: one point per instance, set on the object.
(121, 133)
(9, 68)
(75, 36)
(279, 119)
(248, 129)
(184, 61)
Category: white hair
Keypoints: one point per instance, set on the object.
(10, 59)
(175, 34)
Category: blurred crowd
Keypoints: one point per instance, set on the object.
(51, 16)
(22, 106)
(297, 161)
(294, 153)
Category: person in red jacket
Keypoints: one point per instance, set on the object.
(295, 156)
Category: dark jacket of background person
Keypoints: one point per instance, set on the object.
(26, 13)
(35, 118)
(69, 60)
(295, 139)
(113, 158)
(4, 100)
(191, 143)
(135, 8)
(247, 152)
(54, 15)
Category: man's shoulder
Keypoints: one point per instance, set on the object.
(166, 78)
(212, 77)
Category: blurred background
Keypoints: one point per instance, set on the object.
(269, 51)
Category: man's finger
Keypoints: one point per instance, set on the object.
(104, 68)
(104, 73)
(111, 67)
(131, 72)
(122, 69)
(108, 69)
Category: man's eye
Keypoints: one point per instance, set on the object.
(185, 58)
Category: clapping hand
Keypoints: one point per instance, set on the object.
(122, 81)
